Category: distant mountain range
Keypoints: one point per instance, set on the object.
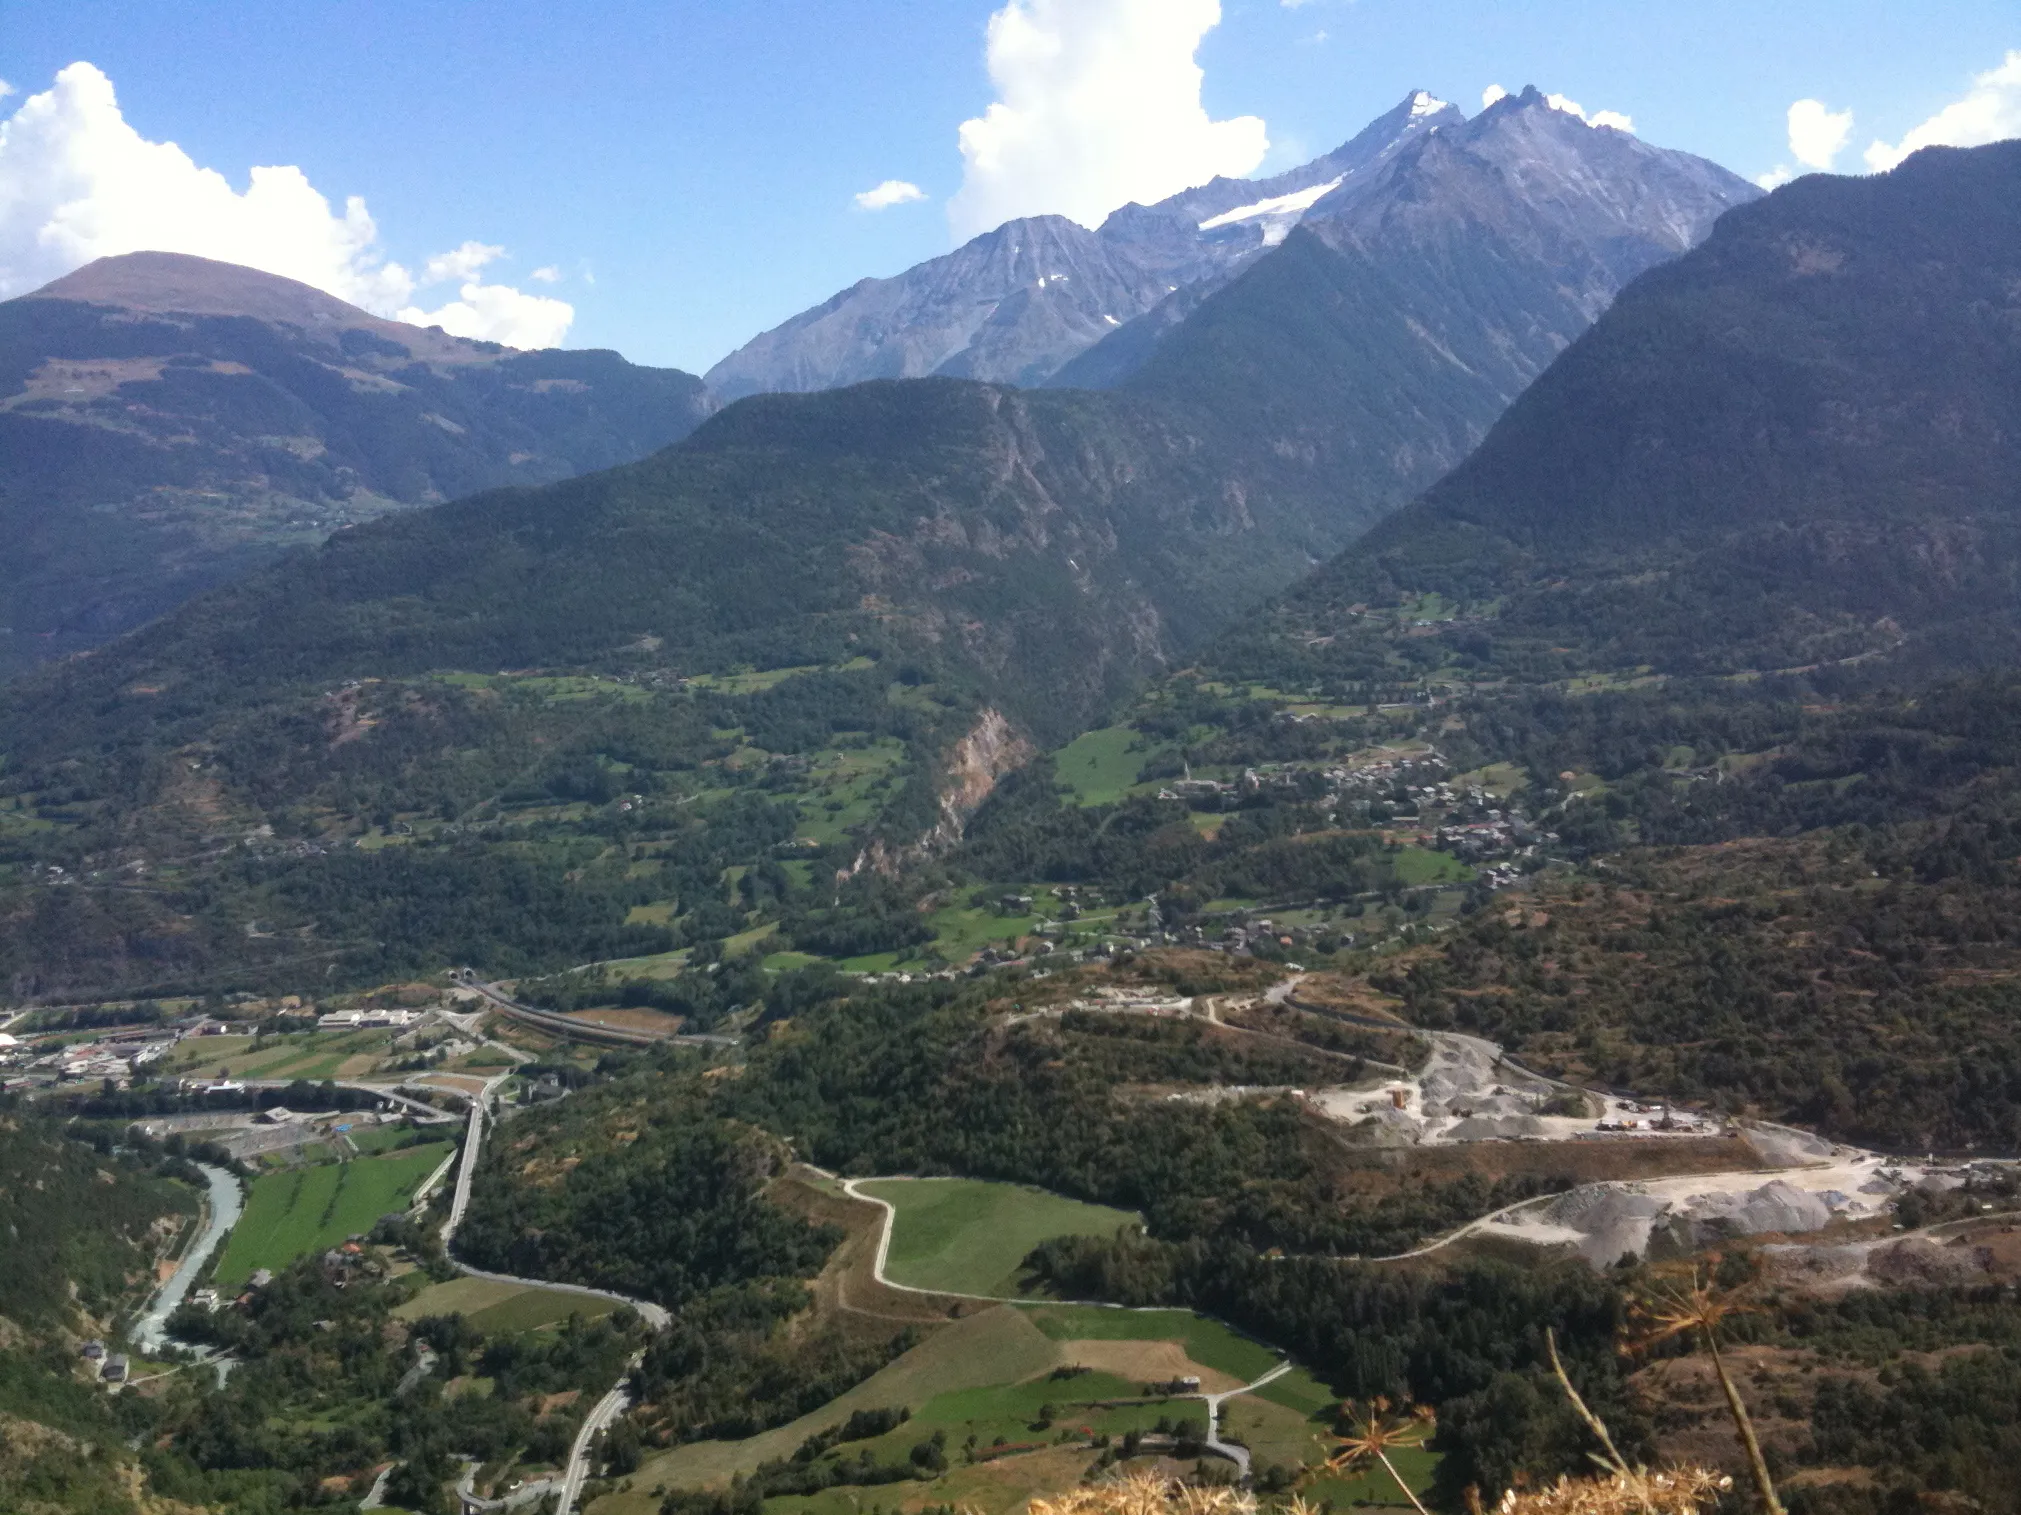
(1020, 304)
(1044, 550)
(168, 422)
(1328, 341)
(1798, 444)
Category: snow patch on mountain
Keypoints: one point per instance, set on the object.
(1278, 214)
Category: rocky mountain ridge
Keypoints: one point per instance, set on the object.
(1044, 300)
(1014, 304)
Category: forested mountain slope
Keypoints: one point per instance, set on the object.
(168, 423)
(1049, 549)
(85, 1229)
(865, 604)
(1800, 442)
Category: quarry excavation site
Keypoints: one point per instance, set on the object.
(1467, 1092)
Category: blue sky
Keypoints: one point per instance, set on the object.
(698, 161)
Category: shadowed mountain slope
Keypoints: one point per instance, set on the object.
(1377, 346)
(169, 422)
(1049, 549)
(1801, 441)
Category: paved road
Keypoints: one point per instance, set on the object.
(607, 1410)
(617, 1401)
(1235, 1453)
(581, 1030)
(526, 1493)
(428, 1185)
(1228, 1449)
(383, 1091)
(375, 1497)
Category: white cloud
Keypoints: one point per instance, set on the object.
(891, 192)
(1491, 94)
(1572, 107)
(6, 89)
(77, 183)
(548, 275)
(1775, 178)
(463, 263)
(1989, 112)
(498, 313)
(1817, 135)
(1098, 103)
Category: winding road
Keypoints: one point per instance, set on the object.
(656, 1317)
(1233, 1451)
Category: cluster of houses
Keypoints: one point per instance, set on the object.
(1492, 833)
(121, 1057)
(118, 1057)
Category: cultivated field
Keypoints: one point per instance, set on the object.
(313, 1055)
(1206, 1342)
(291, 1214)
(971, 1237)
(496, 1308)
(988, 1382)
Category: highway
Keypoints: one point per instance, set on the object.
(656, 1317)
(581, 1030)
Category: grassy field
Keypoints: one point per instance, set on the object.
(843, 788)
(1416, 865)
(500, 1307)
(1205, 1341)
(971, 1237)
(1099, 764)
(290, 1214)
(996, 1346)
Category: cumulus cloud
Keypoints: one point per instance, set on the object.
(1818, 135)
(548, 275)
(497, 313)
(1098, 103)
(77, 182)
(1775, 178)
(1491, 94)
(1572, 107)
(891, 192)
(1989, 112)
(462, 263)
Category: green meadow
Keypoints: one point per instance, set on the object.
(291, 1214)
(971, 1237)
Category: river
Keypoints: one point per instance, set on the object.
(227, 1199)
